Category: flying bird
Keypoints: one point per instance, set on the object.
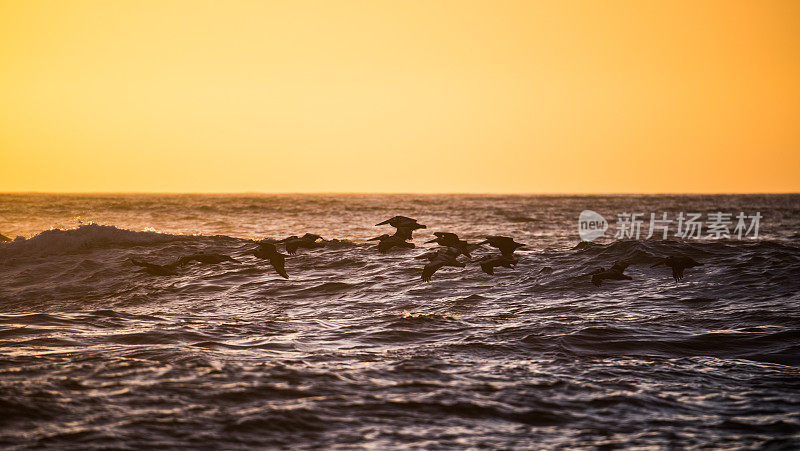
(268, 251)
(386, 242)
(449, 239)
(307, 241)
(505, 244)
(446, 256)
(490, 262)
(678, 263)
(398, 221)
(405, 226)
(615, 272)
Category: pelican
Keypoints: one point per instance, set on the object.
(387, 242)
(400, 221)
(678, 263)
(615, 272)
(268, 251)
(451, 240)
(307, 241)
(171, 268)
(506, 244)
(446, 256)
(405, 226)
(489, 262)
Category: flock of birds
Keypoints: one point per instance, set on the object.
(678, 263)
(452, 247)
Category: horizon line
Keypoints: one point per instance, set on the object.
(483, 193)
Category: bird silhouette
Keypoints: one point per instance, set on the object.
(451, 240)
(269, 252)
(171, 269)
(505, 244)
(405, 226)
(615, 272)
(678, 263)
(490, 262)
(387, 242)
(307, 241)
(446, 256)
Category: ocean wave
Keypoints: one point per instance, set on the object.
(81, 239)
(86, 264)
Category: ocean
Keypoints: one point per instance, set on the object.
(354, 350)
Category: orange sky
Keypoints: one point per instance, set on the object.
(379, 96)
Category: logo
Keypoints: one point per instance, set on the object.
(633, 226)
(591, 225)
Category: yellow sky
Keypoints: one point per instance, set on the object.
(379, 96)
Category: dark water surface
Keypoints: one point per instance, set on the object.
(354, 350)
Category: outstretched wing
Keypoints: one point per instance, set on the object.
(505, 244)
(430, 268)
(403, 220)
(398, 221)
(278, 262)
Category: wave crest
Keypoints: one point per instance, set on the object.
(85, 237)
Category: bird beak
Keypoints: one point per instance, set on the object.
(422, 226)
(483, 242)
(431, 241)
(374, 239)
(382, 223)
